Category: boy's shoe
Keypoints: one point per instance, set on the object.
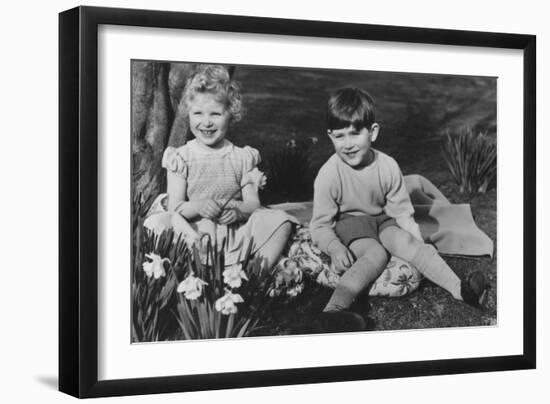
(341, 321)
(474, 289)
(361, 304)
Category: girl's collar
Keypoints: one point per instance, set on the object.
(199, 148)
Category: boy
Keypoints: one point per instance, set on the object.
(362, 212)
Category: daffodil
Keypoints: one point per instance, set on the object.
(256, 178)
(191, 287)
(234, 275)
(226, 303)
(156, 266)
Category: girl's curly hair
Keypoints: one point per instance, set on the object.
(215, 80)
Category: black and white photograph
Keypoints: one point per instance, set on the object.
(271, 201)
(293, 201)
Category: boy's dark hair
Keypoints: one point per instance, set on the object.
(350, 106)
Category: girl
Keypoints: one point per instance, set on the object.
(211, 184)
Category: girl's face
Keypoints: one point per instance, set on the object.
(208, 120)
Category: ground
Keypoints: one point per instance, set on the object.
(414, 111)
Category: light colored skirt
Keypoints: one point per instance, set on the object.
(258, 229)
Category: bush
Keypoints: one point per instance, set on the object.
(289, 171)
(472, 160)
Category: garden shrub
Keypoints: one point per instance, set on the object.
(289, 171)
(471, 159)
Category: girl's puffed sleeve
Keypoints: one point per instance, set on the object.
(174, 162)
(251, 158)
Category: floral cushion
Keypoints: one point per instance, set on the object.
(398, 279)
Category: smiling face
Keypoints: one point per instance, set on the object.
(353, 145)
(208, 120)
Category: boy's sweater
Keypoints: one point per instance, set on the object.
(371, 190)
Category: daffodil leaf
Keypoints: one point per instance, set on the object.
(186, 321)
(218, 316)
(203, 320)
(248, 253)
(188, 314)
(229, 326)
(243, 328)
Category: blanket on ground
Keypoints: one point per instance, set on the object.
(450, 227)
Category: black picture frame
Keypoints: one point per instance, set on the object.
(78, 193)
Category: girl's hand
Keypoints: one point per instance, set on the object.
(210, 209)
(230, 216)
(340, 256)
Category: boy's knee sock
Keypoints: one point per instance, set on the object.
(433, 267)
(361, 274)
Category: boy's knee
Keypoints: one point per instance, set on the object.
(406, 240)
(376, 253)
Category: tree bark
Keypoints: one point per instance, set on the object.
(159, 119)
(150, 121)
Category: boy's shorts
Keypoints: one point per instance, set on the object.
(350, 228)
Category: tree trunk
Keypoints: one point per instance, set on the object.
(159, 119)
(156, 90)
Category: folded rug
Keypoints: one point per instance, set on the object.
(449, 227)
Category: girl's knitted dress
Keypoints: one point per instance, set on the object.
(218, 175)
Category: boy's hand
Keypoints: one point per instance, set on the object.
(341, 257)
(230, 216)
(210, 209)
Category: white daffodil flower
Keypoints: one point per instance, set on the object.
(191, 287)
(234, 275)
(226, 303)
(256, 178)
(156, 266)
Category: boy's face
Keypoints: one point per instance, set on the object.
(352, 145)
